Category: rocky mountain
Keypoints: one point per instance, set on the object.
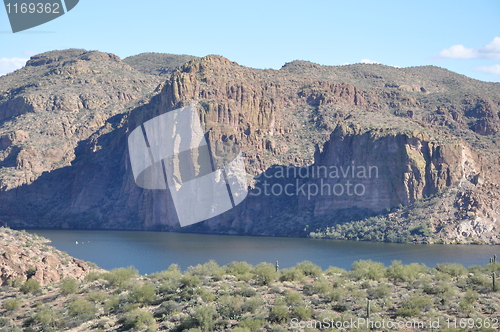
(25, 256)
(366, 151)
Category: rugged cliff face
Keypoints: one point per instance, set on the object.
(347, 142)
(393, 168)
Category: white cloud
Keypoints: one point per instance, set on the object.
(368, 61)
(494, 69)
(458, 52)
(8, 65)
(489, 51)
(492, 50)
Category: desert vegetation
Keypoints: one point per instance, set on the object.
(417, 223)
(241, 297)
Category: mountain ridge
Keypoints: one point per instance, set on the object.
(303, 115)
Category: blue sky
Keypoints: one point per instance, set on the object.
(463, 36)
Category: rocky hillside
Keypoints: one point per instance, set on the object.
(243, 298)
(56, 101)
(380, 142)
(25, 256)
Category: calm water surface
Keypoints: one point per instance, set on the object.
(154, 251)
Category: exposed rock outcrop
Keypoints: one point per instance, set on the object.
(25, 256)
(392, 168)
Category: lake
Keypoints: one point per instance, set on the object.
(154, 251)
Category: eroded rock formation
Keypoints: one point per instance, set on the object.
(425, 130)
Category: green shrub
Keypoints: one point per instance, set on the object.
(15, 282)
(414, 305)
(302, 312)
(209, 269)
(205, 294)
(422, 229)
(11, 304)
(476, 269)
(186, 294)
(189, 280)
(139, 320)
(144, 293)
(252, 304)
(241, 270)
(205, 317)
(265, 273)
(246, 291)
(277, 328)
(337, 295)
(467, 301)
(82, 309)
(97, 297)
(112, 303)
(279, 314)
(341, 306)
(333, 270)
(367, 269)
(93, 276)
(68, 286)
(399, 272)
(491, 267)
(173, 272)
(30, 286)
(170, 286)
(293, 298)
(47, 316)
(293, 274)
(480, 280)
(328, 316)
(309, 269)
(321, 286)
(169, 307)
(240, 329)
(230, 306)
(443, 289)
(251, 324)
(453, 269)
(120, 277)
(379, 292)
(308, 289)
